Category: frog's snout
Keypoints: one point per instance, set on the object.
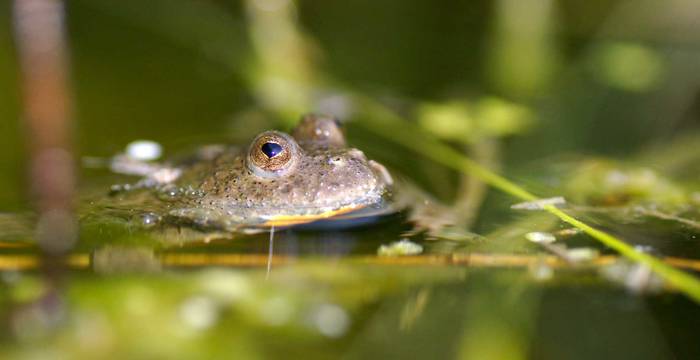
(383, 173)
(352, 155)
(357, 154)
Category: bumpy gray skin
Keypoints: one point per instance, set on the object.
(219, 189)
(225, 193)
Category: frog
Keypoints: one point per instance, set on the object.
(279, 180)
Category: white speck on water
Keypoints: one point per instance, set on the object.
(568, 232)
(540, 237)
(399, 248)
(644, 248)
(145, 150)
(636, 278)
(150, 219)
(539, 204)
(199, 312)
(331, 320)
(581, 254)
(165, 175)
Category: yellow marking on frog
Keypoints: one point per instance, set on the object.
(289, 220)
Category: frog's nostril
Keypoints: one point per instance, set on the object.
(271, 149)
(336, 161)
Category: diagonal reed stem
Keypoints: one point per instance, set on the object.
(384, 122)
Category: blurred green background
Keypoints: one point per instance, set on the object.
(597, 77)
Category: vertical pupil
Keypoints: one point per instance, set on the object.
(271, 149)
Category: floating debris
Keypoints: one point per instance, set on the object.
(400, 248)
(611, 184)
(144, 150)
(539, 204)
(540, 237)
(576, 255)
(645, 249)
(636, 278)
(568, 232)
(581, 254)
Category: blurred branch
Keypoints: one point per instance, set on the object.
(39, 31)
(523, 53)
(283, 77)
(473, 260)
(472, 191)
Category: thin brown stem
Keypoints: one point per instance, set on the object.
(39, 33)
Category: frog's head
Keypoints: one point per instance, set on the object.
(297, 178)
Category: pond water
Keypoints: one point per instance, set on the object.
(603, 116)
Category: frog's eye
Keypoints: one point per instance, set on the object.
(272, 154)
(271, 149)
(321, 130)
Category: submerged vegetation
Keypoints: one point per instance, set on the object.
(548, 165)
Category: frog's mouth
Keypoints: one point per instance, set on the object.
(289, 220)
(351, 212)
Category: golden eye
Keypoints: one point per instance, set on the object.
(319, 130)
(272, 154)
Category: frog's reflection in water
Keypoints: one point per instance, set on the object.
(249, 251)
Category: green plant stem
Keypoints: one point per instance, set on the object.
(389, 125)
